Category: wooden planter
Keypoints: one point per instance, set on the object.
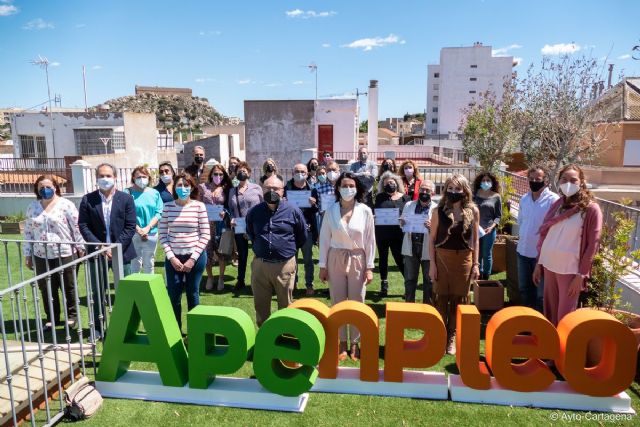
(12, 227)
(488, 295)
(499, 254)
(513, 284)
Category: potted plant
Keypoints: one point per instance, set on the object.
(612, 261)
(504, 228)
(13, 224)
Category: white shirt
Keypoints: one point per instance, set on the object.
(106, 212)
(560, 251)
(530, 217)
(357, 234)
(407, 245)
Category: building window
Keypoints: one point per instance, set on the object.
(88, 141)
(435, 98)
(436, 86)
(474, 66)
(434, 109)
(473, 79)
(436, 151)
(447, 152)
(434, 120)
(472, 91)
(434, 131)
(33, 147)
(436, 75)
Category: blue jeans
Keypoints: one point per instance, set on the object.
(530, 294)
(190, 281)
(485, 257)
(307, 257)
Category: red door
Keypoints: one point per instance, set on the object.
(325, 138)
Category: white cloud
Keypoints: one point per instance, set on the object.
(326, 45)
(97, 67)
(625, 56)
(210, 32)
(38, 24)
(298, 82)
(560, 48)
(245, 81)
(369, 43)
(205, 80)
(298, 13)
(54, 64)
(81, 25)
(8, 9)
(273, 84)
(517, 60)
(503, 51)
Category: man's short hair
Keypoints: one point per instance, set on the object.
(113, 169)
(197, 147)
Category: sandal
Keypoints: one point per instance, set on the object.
(355, 352)
(342, 351)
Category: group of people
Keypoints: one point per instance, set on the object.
(205, 218)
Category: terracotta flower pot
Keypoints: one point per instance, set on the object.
(499, 255)
(488, 295)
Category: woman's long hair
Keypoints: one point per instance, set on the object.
(466, 203)
(583, 197)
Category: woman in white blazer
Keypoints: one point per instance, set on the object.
(347, 251)
(415, 245)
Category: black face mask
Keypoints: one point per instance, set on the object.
(198, 160)
(390, 188)
(385, 167)
(270, 168)
(536, 186)
(425, 197)
(454, 197)
(271, 197)
(242, 176)
(313, 166)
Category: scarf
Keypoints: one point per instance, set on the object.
(546, 226)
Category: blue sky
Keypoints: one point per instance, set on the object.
(232, 51)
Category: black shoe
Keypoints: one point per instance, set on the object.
(384, 286)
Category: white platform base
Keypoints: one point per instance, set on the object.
(224, 391)
(417, 384)
(558, 396)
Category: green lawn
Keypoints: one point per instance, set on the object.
(322, 409)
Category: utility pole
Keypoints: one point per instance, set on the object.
(44, 63)
(84, 85)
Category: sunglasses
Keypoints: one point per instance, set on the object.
(218, 174)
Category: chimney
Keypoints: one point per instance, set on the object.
(610, 76)
(372, 134)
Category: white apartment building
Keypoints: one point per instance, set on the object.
(454, 83)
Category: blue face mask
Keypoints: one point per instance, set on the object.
(46, 192)
(322, 179)
(486, 185)
(183, 192)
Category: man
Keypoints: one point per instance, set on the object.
(327, 190)
(366, 172)
(107, 216)
(533, 207)
(277, 229)
(233, 164)
(299, 183)
(196, 169)
(327, 158)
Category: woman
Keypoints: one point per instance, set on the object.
(327, 158)
(486, 196)
(165, 186)
(215, 192)
(312, 167)
(242, 198)
(390, 196)
(347, 251)
(149, 207)
(569, 240)
(269, 168)
(184, 234)
(388, 165)
(52, 218)
(454, 244)
(410, 178)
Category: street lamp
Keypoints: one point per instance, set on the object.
(105, 141)
(44, 63)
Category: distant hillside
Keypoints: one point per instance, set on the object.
(172, 112)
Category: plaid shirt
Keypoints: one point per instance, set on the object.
(326, 188)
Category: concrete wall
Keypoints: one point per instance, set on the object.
(616, 153)
(343, 115)
(281, 130)
(219, 148)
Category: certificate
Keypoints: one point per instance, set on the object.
(214, 211)
(414, 223)
(387, 216)
(326, 200)
(241, 225)
(299, 198)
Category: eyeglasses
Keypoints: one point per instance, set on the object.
(217, 174)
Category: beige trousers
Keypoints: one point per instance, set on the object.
(267, 277)
(346, 270)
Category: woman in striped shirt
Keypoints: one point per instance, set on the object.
(184, 234)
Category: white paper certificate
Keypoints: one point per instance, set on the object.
(299, 198)
(326, 200)
(387, 216)
(214, 211)
(241, 225)
(414, 223)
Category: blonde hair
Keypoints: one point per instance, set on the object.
(466, 203)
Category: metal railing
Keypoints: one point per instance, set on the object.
(18, 175)
(42, 354)
(436, 155)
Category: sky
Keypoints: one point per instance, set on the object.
(231, 51)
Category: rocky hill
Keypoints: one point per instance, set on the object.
(172, 111)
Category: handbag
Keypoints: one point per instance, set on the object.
(225, 247)
(82, 400)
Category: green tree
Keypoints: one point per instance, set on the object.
(364, 126)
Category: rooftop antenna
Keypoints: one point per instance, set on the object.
(43, 62)
(314, 69)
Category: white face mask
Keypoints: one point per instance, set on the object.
(299, 177)
(347, 193)
(332, 175)
(105, 183)
(166, 179)
(142, 182)
(569, 188)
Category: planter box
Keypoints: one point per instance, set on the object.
(12, 227)
(513, 290)
(499, 255)
(488, 295)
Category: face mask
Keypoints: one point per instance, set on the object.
(486, 185)
(536, 186)
(166, 179)
(390, 188)
(327, 159)
(198, 160)
(217, 179)
(270, 168)
(385, 167)
(299, 177)
(242, 176)
(569, 189)
(105, 183)
(363, 157)
(322, 178)
(271, 197)
(235, 182)
(408, 172)
(46, 192)
(313, 166)
(183, 192)
(454, 197)
(347, 193)
(425, 197)
(142, 182)
(332, 175)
